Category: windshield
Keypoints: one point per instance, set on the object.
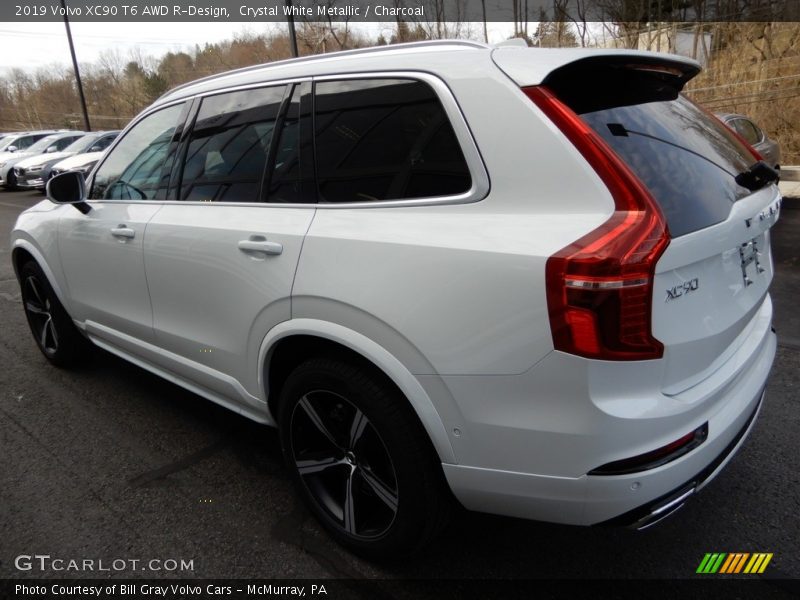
(82, 144)
(42, 144)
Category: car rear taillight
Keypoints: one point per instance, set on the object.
(600, 288)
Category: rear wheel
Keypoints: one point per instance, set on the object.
(53, 330)
(361, 459)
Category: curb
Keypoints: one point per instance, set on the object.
(790, 173)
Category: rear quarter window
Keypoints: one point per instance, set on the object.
(385, 139)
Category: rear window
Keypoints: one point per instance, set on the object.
(686, 157)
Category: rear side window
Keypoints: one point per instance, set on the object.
(748, 131)
(686, 157)
(26, 142)
(385, 139)
(64, 142)
(229, 144)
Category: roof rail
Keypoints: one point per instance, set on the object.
(312, 57)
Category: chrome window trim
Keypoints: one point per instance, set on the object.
(480, 183)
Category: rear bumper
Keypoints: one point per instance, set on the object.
(557, 431)
(660, 508)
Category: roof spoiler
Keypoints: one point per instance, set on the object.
(534, 66)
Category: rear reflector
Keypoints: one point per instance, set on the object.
(656, 458)
(600, 288)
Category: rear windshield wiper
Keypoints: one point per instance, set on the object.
(758, 175)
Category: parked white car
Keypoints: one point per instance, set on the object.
(51, 144)
(34, 171)
(80, 162)
(533, 280)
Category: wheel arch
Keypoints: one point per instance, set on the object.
(24, 250)
(291, 342)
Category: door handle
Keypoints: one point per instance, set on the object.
(123, 232)
(258, 243)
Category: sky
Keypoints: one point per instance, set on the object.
(30, 46)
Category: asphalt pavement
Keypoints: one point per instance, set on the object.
(109, 461)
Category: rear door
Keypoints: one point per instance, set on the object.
(221, 260)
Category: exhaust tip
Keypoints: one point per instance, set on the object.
(664, 508)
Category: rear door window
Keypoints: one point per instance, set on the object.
(291, 176)
(229, 144)
(385, 139)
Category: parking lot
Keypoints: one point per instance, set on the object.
(110, 462)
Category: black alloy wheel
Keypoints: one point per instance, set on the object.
(53, 329)
(38, 309)
(343, 462)
(361, 458)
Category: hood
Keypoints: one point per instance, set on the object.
(47, 158)
(4, 156)
(78, 160)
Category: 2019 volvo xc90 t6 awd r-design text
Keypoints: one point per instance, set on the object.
(533, 281)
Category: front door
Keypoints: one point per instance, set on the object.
(102, 250)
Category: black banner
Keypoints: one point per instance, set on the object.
(258, 11)
(345, 589)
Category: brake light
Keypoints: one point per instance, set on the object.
(600, 288)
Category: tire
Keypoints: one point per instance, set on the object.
(361, 459)
(11, 180)
(53, 330)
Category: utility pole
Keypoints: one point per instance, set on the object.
(292, 34)
(86, 124)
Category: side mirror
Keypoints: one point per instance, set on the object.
(95, 148)
(11, 149)
(68, 188)
(50, 149)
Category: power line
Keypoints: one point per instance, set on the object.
(734, 83)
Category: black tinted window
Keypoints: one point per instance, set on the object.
(292, 178)
(687, 158)
(385, 139)
(64, 142)
(26, 142)
(229, 144)
(138, 168)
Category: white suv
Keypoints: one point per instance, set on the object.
(534, 280)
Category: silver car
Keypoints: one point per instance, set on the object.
(769, 149)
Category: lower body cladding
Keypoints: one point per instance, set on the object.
(527, 443)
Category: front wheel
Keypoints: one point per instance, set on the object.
(53, 330)
(361, 458)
